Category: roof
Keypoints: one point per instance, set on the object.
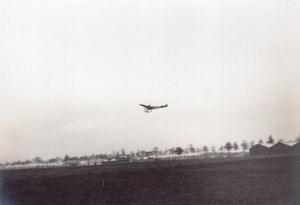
(280, 145)
(259, 146)
(290, 143)
(297, 144)
(268, 145)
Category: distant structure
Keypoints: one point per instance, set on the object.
(296, 148)
(280, 148)
(260, 149)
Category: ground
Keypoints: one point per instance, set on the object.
(268, 181)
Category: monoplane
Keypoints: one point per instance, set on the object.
(149, 108)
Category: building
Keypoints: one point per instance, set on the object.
(296, 148)
(280, 148)
(260, 149)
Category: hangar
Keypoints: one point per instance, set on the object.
(259, 149)
(296, 148)
(280, 148)
(275, 149)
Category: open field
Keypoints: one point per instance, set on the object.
(271, 181)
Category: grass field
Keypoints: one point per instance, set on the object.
(271, 181)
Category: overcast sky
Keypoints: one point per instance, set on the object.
(73, 73)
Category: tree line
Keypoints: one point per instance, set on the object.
(228, 146)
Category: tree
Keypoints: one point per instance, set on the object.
(191, 148)
(131, 154)
(142, 153)
(172, 150)
(67, 158)
(252, 143)
(84, 157)
(91, 157)
(198, 150)
(228, 146)
(99, 156)
(213, 149)
(260, 141)
(27, 161)
(52, 160)
(123, 153)
(235, 146)
(270, 140)
(38, 160)
(117, 154)
(187, 150)
(155, 151)
(205, 149)
(244, 145)
(221, 148)
(74, 158)
(178, 150)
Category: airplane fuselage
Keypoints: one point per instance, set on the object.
(148, 108)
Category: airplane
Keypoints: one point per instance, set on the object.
(149, 108)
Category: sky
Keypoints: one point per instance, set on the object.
(73, 73)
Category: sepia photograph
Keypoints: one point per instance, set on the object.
(147, 102)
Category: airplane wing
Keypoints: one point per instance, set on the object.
(157, 107)
(145, 106)
(148, 108)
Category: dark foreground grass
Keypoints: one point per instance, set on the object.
(273, 181)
